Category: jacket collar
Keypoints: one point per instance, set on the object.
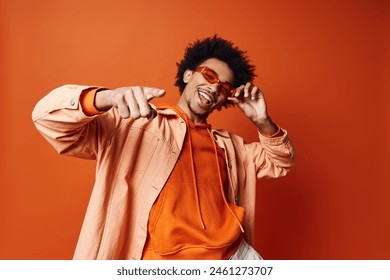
(166, 110)
(221, 132)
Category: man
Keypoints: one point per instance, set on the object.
(168, 186)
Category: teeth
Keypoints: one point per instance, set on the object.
(205, 96)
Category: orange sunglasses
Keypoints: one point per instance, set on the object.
(212, 77)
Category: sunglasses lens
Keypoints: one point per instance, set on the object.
(227, 90)
(210, 76)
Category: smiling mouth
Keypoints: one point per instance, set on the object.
(205, 97)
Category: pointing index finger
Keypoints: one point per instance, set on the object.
(151, 93)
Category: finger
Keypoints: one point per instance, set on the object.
(254, 92)
(132, 103)
(234, 100)
(238, 101)
(151, 93)
(153, 114)
(144, 107)
(239, 91)
(246, 89)
(121, 104)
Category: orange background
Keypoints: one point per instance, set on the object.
(323, 65)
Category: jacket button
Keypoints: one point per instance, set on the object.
(72, 102)
(229, 165)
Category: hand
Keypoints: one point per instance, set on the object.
(131, 102)
(250, 99)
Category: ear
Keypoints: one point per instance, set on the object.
(187, 75)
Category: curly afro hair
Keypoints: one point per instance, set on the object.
(216, 47)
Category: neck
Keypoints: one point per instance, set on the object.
(193, 116)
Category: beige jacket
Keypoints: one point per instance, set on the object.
(134, 159)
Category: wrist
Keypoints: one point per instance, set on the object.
(103, 99)
(267, 127)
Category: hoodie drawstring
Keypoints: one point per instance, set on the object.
(221, 184)
(194, 179)
(184, 117)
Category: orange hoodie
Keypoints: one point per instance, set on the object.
(191, 218)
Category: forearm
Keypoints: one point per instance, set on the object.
(59, 117)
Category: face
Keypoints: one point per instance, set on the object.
(200, 97)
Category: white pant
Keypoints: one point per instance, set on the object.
(245, 252)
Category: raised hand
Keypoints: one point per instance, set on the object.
(250, 99)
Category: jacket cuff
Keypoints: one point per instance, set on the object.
(279, 138)
(87, 101)
(278, 133)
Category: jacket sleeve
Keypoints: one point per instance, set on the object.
(60, 119)
(272, 157)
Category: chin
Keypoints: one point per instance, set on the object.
(199, 111)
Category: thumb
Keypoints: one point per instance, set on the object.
(237, 100)
(151, 93)
(234, 100)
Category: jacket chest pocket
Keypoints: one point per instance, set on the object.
(138, 151)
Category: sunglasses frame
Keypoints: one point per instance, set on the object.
(226, 88)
